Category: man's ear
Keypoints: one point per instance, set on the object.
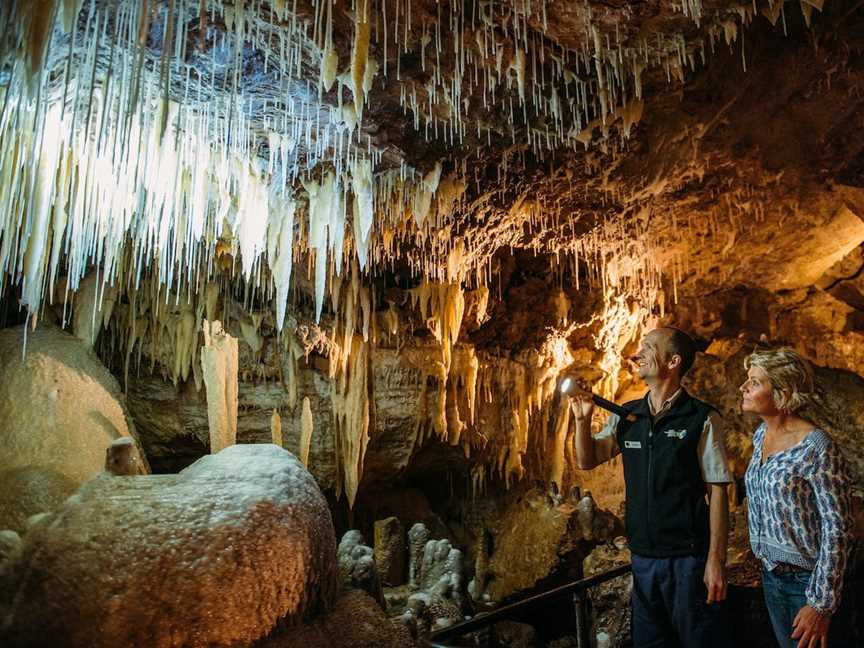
(674, 362)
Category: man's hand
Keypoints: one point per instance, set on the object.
(582, 406)
(811, 628)
(715, 580)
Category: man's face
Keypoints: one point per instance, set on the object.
(652, 357)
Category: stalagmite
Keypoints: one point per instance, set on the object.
(276, 430)
(219, 366)
(306, 429)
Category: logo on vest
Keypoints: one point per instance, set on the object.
(633, 444)
(676, 434)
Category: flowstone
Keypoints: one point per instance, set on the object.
(59, 409)
(212, 556)
(436, 578)
(357, 566)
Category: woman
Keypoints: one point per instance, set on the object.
(799, 503)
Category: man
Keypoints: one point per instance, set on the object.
(673, 455)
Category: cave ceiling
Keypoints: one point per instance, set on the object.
(657, 146)
(411, 217)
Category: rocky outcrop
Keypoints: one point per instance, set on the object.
(211, 557)
(390, 551)
(534, 541)
(173, 419)
(356, 621)
(358, 567)
(59, 409)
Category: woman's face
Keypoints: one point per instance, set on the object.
(756, 394)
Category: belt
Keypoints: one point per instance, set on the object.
(786, 568)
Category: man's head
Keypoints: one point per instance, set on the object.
(665, 353)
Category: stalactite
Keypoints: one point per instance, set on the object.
(350, 397)
(360, 54)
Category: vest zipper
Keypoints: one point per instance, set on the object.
(650, 489)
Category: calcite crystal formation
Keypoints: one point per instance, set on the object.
(213, 556)
(59, 409)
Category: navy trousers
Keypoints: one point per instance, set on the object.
(670, 605)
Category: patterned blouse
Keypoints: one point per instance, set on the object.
(800, 513)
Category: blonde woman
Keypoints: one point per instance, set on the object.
(799, 504)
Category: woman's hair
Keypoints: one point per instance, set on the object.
(791, 376)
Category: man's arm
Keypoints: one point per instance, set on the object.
(715, 472)
(715, 566)
(592, 451)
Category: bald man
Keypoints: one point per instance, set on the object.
(675, 473)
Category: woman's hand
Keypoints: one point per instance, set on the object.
(811, 628)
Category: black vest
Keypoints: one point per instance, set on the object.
(666, 508)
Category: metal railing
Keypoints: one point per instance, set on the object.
(576, 589)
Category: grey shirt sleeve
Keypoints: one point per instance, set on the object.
(712, 451)
(606, 441)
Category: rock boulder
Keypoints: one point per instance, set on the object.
(213, 556)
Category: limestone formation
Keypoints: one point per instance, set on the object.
(59, 409)
(357, 565)
(390, 551)
(558, 535)
(356, 621)
(219, 367)
(436, 583)
(10, 542)
(213, 556)
(378, 235)
(29, 491)
(418, 535)
(123, 457)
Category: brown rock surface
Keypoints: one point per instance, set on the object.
(356, 621)
(539, 543)
(214, 556)
(390, 551)
(60, 408)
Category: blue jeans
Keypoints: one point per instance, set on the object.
(670, 608)
(785, 595)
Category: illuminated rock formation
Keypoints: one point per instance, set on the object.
(213, 556)
(59, 409)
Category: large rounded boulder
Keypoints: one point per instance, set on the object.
(60, 408)
(212, 556)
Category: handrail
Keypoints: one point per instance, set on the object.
(438, 639)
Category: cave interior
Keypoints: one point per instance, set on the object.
(288, 291)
